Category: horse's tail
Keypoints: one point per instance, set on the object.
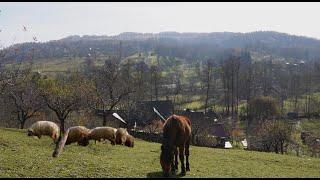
(60, 144)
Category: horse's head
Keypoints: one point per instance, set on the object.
(166, 157)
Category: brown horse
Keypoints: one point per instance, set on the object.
(176, 134)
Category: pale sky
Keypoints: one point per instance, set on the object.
(56, 20)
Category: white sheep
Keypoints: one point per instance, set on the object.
(46, 128)
(121, 136)
(78, 134)
(99, 133)
(124, 138)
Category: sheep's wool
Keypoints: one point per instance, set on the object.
(45, 128)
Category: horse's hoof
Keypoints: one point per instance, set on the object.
(188, 169)
(166, 174)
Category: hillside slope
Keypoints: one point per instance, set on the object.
(183, 45)
(23, 156)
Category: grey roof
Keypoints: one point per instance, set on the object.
(219, 130)
(216, 129)
(194, 116)
(146, 113)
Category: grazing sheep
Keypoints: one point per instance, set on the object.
(121, 136)
(124, 138)
(129, 141)
(73, 134)
(99, 133)
(47, 128)
(78, 134)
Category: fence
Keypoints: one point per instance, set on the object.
(202, 141)
(151, 137)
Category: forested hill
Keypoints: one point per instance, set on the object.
(184, 45)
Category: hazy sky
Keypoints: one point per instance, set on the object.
(55, 20)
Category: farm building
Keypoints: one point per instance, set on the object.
(145, 113)
(202, 122)
(113, 121)
(218, 130)
(199, 118)
(141, 116)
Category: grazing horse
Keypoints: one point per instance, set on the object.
(176, 134)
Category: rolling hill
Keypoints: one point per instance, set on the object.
(184, 45)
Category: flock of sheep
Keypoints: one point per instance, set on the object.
(79, 134)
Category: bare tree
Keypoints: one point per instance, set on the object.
(141, 79)
(108, 89)
(26, 96)
(273, 135)
(230, 76)
(207, 73)
(155, 80)
(63, 96)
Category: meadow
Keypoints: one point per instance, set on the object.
(23, 156)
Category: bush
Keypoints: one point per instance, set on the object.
(271, 136)
(264, 107)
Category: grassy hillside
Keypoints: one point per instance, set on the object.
(311, 125)
(23, 156)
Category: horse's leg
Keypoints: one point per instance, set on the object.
(187, 155)
(181, 156)
(173, 170)
(176, 158)
(174, 162)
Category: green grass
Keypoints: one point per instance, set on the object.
(312, 125)
(58, 64)
(62, 64)
(301, 103)
(23, 156)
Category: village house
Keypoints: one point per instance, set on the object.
(145, 113)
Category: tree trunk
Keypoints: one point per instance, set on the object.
(207, 97)
(228, 98)
(232, 96)
(156, 86)
(61, 125)
(225, 98)
(22, 124)
(295, 103)
(276, 148)
(104, 123)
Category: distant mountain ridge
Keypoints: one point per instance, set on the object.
(188, 35)
(190, 45)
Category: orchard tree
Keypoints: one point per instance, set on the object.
(64, 95)
(108, 88)
(25, 96)
(274, 135)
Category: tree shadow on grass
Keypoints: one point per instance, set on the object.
(159, 174)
